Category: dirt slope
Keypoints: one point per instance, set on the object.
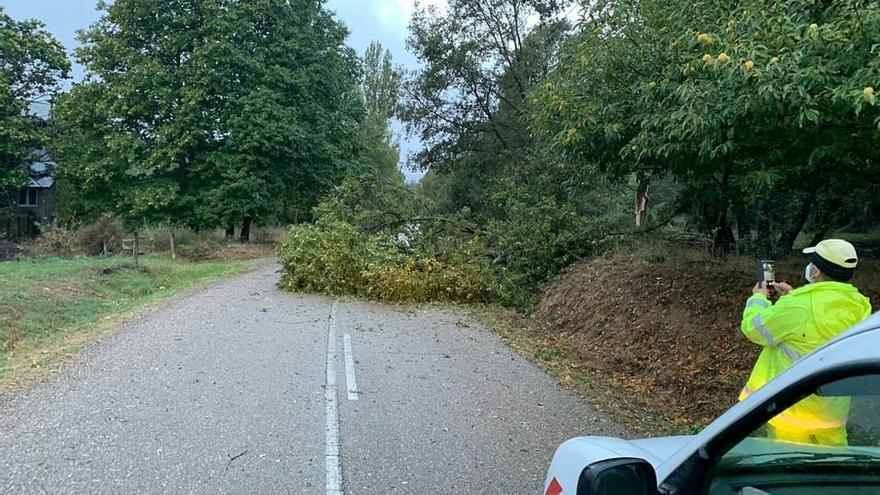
(663, 327)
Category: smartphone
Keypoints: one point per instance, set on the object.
(766, 271)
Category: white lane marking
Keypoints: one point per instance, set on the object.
(350, 379)
(333, 464)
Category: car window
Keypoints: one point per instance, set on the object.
(828, 443)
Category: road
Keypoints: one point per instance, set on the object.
(242, 388)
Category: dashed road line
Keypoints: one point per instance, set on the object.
(333, 464)
(350, 379)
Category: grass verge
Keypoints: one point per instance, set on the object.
(50, 308)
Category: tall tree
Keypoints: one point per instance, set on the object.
(380, 89)
(381, 84)
(217, 111)
(32, 64)
(467, 104)
(472, 55)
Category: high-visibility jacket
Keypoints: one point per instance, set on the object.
(799, 322)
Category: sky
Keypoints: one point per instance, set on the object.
(385, 21)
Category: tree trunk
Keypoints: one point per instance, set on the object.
(743, 229)
(723, 239)
(641, 205)
(104, 249)
(796, 224)
(763, 243)
(173, 244)
(246, 230)
(230, 231)
(135, 248)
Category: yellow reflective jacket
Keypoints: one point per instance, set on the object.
(800, 322)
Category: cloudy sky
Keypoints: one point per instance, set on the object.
(368, 20)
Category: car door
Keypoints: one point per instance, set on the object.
(783, 448)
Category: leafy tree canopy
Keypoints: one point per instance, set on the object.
(760, 110)
(380, 88)
(207, 112)
(32, 64)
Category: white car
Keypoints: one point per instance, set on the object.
(732, 456)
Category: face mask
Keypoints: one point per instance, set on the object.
(808, 273)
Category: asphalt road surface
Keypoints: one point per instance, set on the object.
(240, 388)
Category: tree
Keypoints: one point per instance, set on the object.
(473, 69)
(32, 64)
(381, 84)
(211, 112)
(380, 89)
(296, 71)
(759, 110)
(469, 102)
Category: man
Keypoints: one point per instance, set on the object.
(799, 322)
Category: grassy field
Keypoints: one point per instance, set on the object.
(50, 308)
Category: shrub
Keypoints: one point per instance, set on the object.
(463, 276)
(268, 235)
(56, 242)
(198, 246)
(335, 257)
(102, 237)
(538, 237)
(328, 257)
(8, 250)
(371, 239)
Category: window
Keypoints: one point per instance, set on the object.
(828, 443)
(29, 197)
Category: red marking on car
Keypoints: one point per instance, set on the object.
(554, 488)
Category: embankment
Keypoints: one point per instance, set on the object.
(661, 327)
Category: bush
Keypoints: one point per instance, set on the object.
(102, 237)
(198, 246)
(335, 257)
(8, 250)
(59, 242)
(538, 236)
(329, 258)
(268, 235)
(195, 246)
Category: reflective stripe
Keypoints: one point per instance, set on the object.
(791, 353)
(788, 351)
(759, 326)
(758, 302)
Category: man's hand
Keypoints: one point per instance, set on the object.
(761, 288)
(782, 288)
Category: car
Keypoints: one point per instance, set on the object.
(733, 456)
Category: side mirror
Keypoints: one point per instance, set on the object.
(618, 477)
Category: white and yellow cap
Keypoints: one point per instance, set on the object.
(835, 257)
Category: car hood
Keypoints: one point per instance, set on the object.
(659, 449)
(654, 450)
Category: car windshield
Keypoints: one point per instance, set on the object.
(827, 443)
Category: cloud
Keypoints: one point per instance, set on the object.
(388, 14)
